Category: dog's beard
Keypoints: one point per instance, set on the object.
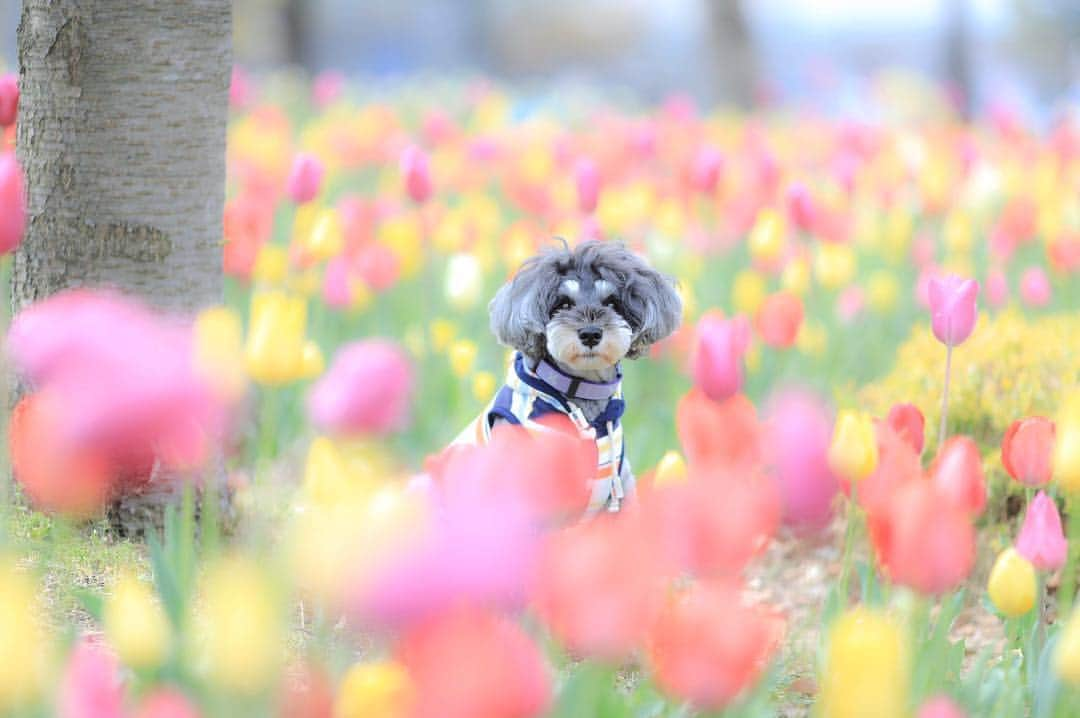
(565, 347)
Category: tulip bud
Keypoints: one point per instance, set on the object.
(1012, 583)
(866, 667)
(136, 625)
(716, 363)
(800, 207)
(908, 422)
(1041, 539)
(219, 351)
(834, 265)
(326, 238)
(997, 288)
(957, 472)
(853, 450)
(9, 99)
(414, 168)
(483, 385)
(1027, 451)
(952, 306)
(24, 648)
(767, 237)
(670, 470)
(12, 203)
(275, 347)
(464, 281)
(705, 173)
(1067, 445)
(748, 292)
(374, 690)
(1067, 654)
(587, 179)
(305, 178)
(462, 355)
(940, 707)
(796, 276)
(779, 318)
(1035, 287)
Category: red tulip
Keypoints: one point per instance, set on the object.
(414, 168)
(779, 318)
(596, 587)
(12, 203)
(798, 430)
(800, 207)
(718, 433)
(472, 664)
(377, 266)
(305, 178)
(957, 472)
(1035, 287)
(167, 703)
(91, 686)
(1027, 450)
(587, 179)
(716, 363)
(897, 464)
(708, 646)
(367, 390)
(706, 169)
(952, 305)
(908, 422)
(922, 539)
(306, 692)
(248, 223)
(1041, 539)
(9, 99)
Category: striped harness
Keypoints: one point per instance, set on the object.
(527, 396)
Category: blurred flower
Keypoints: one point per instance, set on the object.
(852, 451)
(414, 168)
(464, 281)
(597, 586)
(328, 87)
(24, 645)
(866, 667)
(306, 691)
(462, 356)
(305, 178)
(9, 99)
(1012, 583)
(796, 276)
(724, 433)
(1035, 287)
(271, 265)
(136, 625)
(834, 265)
(957, 473)
(166, 703)
(767, 237)
(326, 238)
(274, 352)
(882, 292)
(800, 207)
(12, 201)
(587, 181)
(1067, 444)
(91, 686)
(705, 172)
(1027, 451)
(1041, 539)
(219, 351)
(497, 670)
(240, 624)
(850, 303)
(798, 428)
(707, 646)
(374, 690)
(1067, 654)
(717, 358)
(671, 469)
(779, 318)
(908, 422)
(923, 539)
(997, 288)
(940, 707)
(367, 390)
(952, 306)
(748, 292)
(483, 385)
(312, 362)
(240, 89)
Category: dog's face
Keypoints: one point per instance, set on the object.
(587, 308)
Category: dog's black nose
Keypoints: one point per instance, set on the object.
(590, 336)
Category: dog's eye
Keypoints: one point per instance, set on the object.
(611, 302)
(560, 305)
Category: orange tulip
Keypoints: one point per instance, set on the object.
(723, 433)
(1027, 451)
(779, 318)
(957, 472)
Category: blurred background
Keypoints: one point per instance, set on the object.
(821, 54)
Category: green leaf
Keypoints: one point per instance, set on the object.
(91, 601)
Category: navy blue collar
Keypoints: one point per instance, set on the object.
(551, 380)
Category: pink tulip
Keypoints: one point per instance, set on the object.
(1027, 450)
(240, 91)
(414, 168)
(91, 686)
(941, 707)
(952, 306)
(305, 178)
(850, 303)
(167, 703)
(706, 169)
(9, 99)
(799, 429)
(716, 364)
(367, 390)
(1041, 539)
(587, 178)
(336, 290)
(800, 207)
(957, 473)
(1035, 287)
(908, 422)
(997, 288)
(12, 203)
(328, 88)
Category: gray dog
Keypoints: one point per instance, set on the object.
(573, 315)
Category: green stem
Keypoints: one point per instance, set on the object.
(1067, 589)
(945, 397)
(267, 445)
(849, 540)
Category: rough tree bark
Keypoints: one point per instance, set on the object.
(734, 71)
(121, 133)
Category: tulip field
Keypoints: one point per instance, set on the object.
(857, 459)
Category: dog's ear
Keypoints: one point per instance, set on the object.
(519, 311)
(653, 306)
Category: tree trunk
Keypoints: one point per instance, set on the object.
(734, 73)
(121, 133)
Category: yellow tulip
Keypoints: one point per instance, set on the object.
(462, 355)
(834, 265)
(811, 339)
(1067, 445)
(959, 234)
(882, 291)
(241, 626)
(483, 386)
(219, 351)
(899, 227)
(796, 276)
(327, 237)
(689, 302)
(304, 221)
(275, 342)
(405, 238)
(866, 667)
(1012, 583)
(326, 479)
(1067, 654)
(450, 233)
(670, 219)
(464, 282)
(307, 283)
(767, 236)
(853, 452)
(748, 291)
(271, 264)
(374, 690)
(24, 650)
(670, 470)
(312, 362)
(136, 625)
